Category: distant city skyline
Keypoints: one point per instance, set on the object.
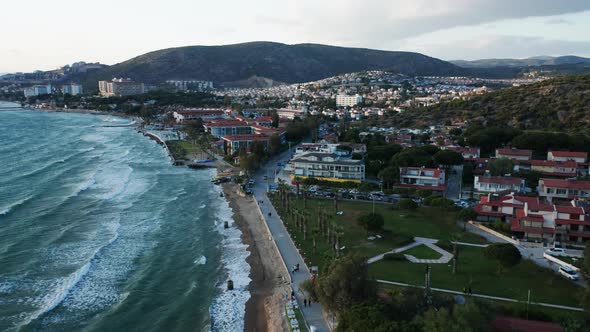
(448, 29)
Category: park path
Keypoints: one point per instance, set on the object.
(430, 243)
(314, 314)
(496, 298)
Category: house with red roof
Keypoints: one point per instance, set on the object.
(422, 178)
(492, 207)
(191, 114)
(515, 154)
(495, 184)
(466, 152)
(563, 189)
(568, 168)
(579, 157)
(223, 127)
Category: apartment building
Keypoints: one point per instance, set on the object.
(327, 166)
(233, 143)
(579, 157)
(120, 87)
(224, 127)
(348, 101)
(72, 89)
(37, 90)
(493, 207)
(566, 168)
(195, 113)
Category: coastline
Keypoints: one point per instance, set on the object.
(264, 309)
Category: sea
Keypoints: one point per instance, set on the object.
(99, 232)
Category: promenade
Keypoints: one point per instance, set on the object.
(314, 313)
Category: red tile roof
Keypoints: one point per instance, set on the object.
(226, 123)
(514, 152)
(246, 137)
(561, 183)
(500, 180)
(569, 209)
(569, 154)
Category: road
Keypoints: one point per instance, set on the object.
(314, 313)
(454, 178)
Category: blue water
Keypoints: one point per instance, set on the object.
(98, 232)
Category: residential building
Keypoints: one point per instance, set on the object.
(233, 143)
(72, 89)
(466, 152)
(431, 178)
(567, 168)
(493, 207)
(327, 166)
(563, 189)
(579, 157)
(291, 114)
(348, 101)
(516, 154)
(120, 87)
(37, 90)
(224, 127)
(495, 184)
(191, 85)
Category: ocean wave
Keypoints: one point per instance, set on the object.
(201, 260)
(5, 210)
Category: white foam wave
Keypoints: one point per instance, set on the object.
(7, 209)
(229, 307)
(201, 260)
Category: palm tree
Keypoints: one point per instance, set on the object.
(335, 192)
(315, 233)
(455, 238)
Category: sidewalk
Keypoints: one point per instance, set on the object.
(289, 252)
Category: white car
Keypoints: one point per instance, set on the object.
(555, 251)
(568, 273)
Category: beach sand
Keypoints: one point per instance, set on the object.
(265, 309)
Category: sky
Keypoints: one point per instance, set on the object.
(41, 34)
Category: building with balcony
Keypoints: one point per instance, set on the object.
(568, 168)
(72, 89)
(195, 113)
(495, 184)
(327, 166)
(348, 101)
(563, 189)
(233, 143)
(515, 154)
(120, 87)
(37, 90)
(493, 207)
(419, 177)
(579, 157)
(224, 127)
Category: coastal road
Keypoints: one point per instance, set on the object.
(314, 313)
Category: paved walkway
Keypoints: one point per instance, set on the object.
(430, 243)
(314, 314)
(496, 298)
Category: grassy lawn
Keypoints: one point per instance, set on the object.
(485, 278)
(182, 149)
(399, 229)
(422, 252)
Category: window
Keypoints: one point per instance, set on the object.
(561, 191)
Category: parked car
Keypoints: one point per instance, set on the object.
(555, 251)
(568, 273)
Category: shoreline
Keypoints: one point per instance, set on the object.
(264, 309)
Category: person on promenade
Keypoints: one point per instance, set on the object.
(305, 302)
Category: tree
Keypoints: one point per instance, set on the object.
(505, 253)
(345, 283)
(274, 144)
(448, 158)
(371, 221)
(501, 166)
(467, 215)
(388, 175)
(275, 119)
(407, 204)
(586, 262)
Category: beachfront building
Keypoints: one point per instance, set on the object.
(495, 184)
(37, 90)
(224, 127)
(514, 154)
(120, 87)
(191, 114)
(233, 143)
(348, 101)
(563, 189)
(422, 178)
(72, 89)
(327, 166)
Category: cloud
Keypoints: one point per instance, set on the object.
(558, 20)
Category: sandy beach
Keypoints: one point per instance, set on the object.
(264, 310)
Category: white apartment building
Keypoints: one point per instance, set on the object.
(432, 178)
(348, 101)
(72, 89)
(329, 167)
(37, 90)
(494, 184)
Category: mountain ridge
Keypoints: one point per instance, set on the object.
(535, 61)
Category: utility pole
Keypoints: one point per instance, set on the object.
(427, 286)
(528, 303)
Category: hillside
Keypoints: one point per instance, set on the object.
(264, 62)
(557, 104)
(528, 62)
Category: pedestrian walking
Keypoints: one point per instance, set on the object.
(305, 302)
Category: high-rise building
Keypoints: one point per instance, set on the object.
(72, 89)
(120, 87)
(348, 101)
(37, 90)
